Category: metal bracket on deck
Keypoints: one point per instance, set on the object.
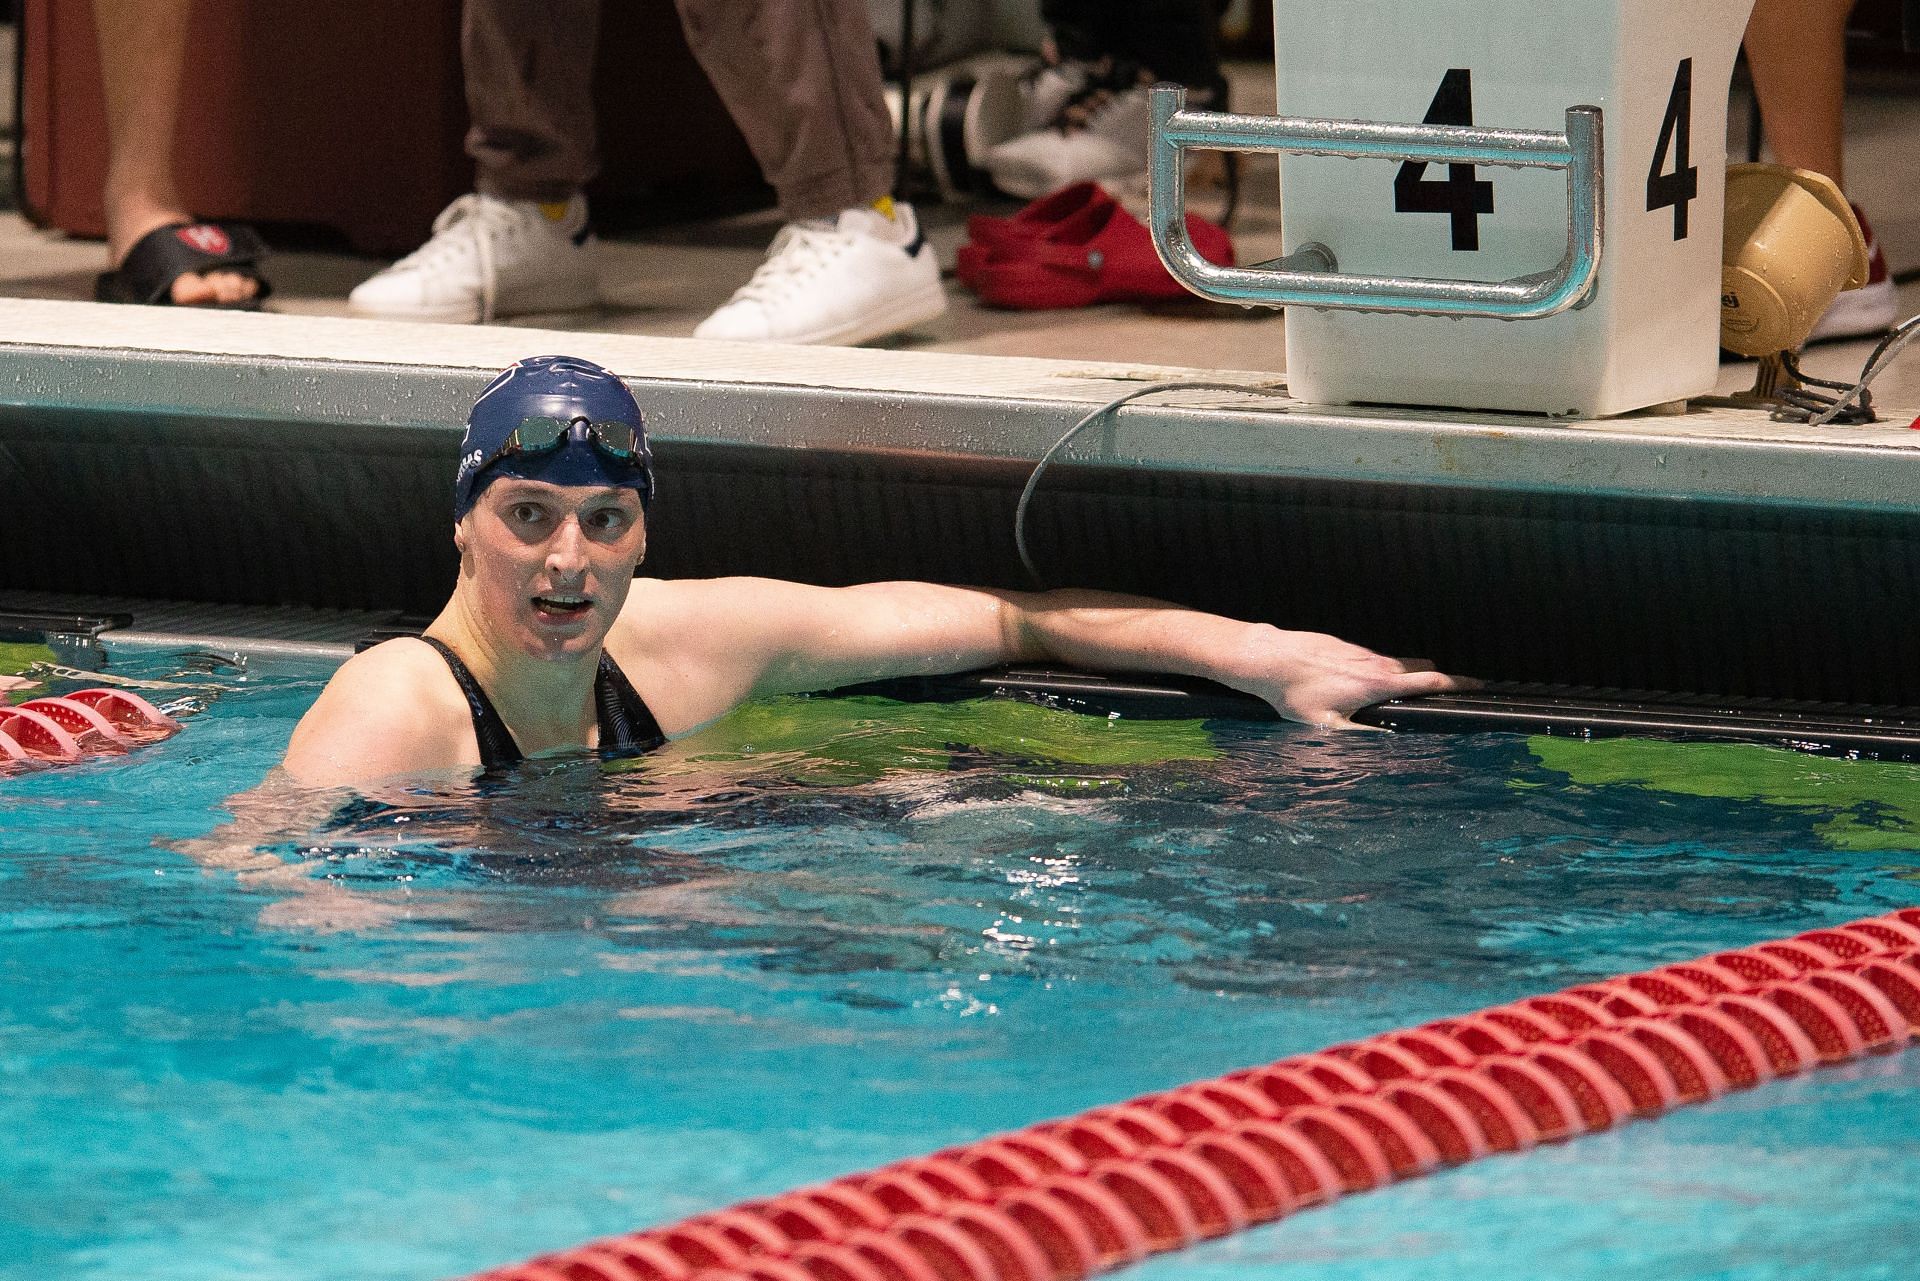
(1310, 276)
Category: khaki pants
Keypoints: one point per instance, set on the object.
(801, 79)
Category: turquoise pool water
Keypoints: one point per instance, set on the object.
(413, 1041)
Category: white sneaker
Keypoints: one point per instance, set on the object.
(1047, 91)
(489, 257)
(847, 280)
(1870, 310)
(1112, 146)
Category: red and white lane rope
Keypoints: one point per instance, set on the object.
(88, 722)
(1065, 1199)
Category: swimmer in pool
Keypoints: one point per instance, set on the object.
(549, 641)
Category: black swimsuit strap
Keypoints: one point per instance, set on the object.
(490, 733)
(626, 723)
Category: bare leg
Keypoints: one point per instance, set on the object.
(143, 55)
(1796, 50)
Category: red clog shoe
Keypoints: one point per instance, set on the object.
(1034, 219)
(1101, 254)
(986, 233)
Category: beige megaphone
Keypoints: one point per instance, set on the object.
(1790, 244)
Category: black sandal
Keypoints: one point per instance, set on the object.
(167, 253)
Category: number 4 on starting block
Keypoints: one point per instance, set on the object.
(1544, 259)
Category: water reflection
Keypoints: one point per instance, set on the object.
(1238, 858)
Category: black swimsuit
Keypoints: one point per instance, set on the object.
(626, 724)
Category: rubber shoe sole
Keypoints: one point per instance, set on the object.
(554, 296)
(898, 316)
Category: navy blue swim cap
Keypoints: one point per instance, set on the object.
(563, 388)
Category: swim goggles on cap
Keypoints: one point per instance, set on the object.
(540, 435)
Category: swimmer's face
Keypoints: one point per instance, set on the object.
(551, 564)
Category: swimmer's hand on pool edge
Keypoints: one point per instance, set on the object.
(1329, 679)
(1309, 677)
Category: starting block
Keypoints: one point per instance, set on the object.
(1504, 204)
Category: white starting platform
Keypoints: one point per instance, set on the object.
(1502, 204)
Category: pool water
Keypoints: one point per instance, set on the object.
(419, 1037)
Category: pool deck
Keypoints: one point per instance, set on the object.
(662, 281)
(136, 362)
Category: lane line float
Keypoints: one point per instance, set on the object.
(1065, 1199)
(72, 727)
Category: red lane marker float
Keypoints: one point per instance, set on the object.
(89, 722)
(1065, 1199)
(131, 713)
(44, 738)
(89, 728)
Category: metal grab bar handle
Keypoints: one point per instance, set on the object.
(1310, 276)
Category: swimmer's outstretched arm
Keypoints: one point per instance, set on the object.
(717, 642)
(1305, 676)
